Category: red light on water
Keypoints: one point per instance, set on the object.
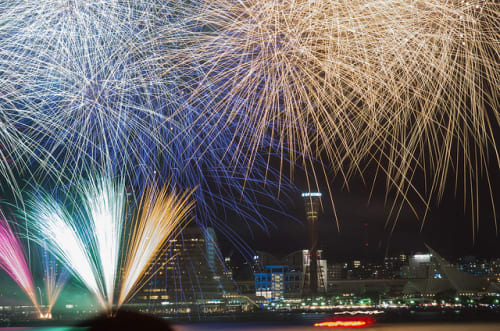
(346, 322)
(342, 324)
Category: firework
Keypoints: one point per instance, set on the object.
(104, 203)
(412, 85)
(82, 79)
(13, 261)
(90, 243)
(159, 220)
(53, 224)
(205, 92)
(107, 85)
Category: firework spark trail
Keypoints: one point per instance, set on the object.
(104, 203)
(94, 238)
(159, 220)
(408, 84)
(53, 224)
(90, 245)
(13, 261)
(82, 77)
(106, 85)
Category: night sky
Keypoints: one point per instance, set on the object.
(447, 228)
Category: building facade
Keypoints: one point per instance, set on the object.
(277, 282)
(187, 273)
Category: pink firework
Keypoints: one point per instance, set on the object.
(13, 261)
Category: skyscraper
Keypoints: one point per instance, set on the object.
(312, 203)
(187, 273)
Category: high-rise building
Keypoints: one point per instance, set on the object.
(187, 272)
(312, 203)
(229, 267)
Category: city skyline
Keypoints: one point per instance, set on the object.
(447, 228)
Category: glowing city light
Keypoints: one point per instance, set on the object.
(311, 194)
(347, 322)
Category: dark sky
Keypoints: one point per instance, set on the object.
(448, 227)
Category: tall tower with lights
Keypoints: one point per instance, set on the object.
(312, 203)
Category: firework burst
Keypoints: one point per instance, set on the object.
(82, 78)
(197, 90)
(88, 244)
(107, 85)
(412, 85)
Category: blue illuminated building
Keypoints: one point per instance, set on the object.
(277, 282)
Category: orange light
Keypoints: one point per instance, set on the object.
(346, 322)
(342, 324)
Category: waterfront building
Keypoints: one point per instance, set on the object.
(419, 266)
(187, 273)
(495, 270)
(229, 267)
(474, 266)
(442, 277)
(299, 263)
(277, 282)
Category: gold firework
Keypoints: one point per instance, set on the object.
(411, 85)
(161, 217)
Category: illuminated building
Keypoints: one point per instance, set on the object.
(229, 267)
(312, 203)
(297, 263)
(442, 276)
(495, 270)
(317, 277)
(277, 282)
(419, 266)
(475, 266)
(188, 272)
